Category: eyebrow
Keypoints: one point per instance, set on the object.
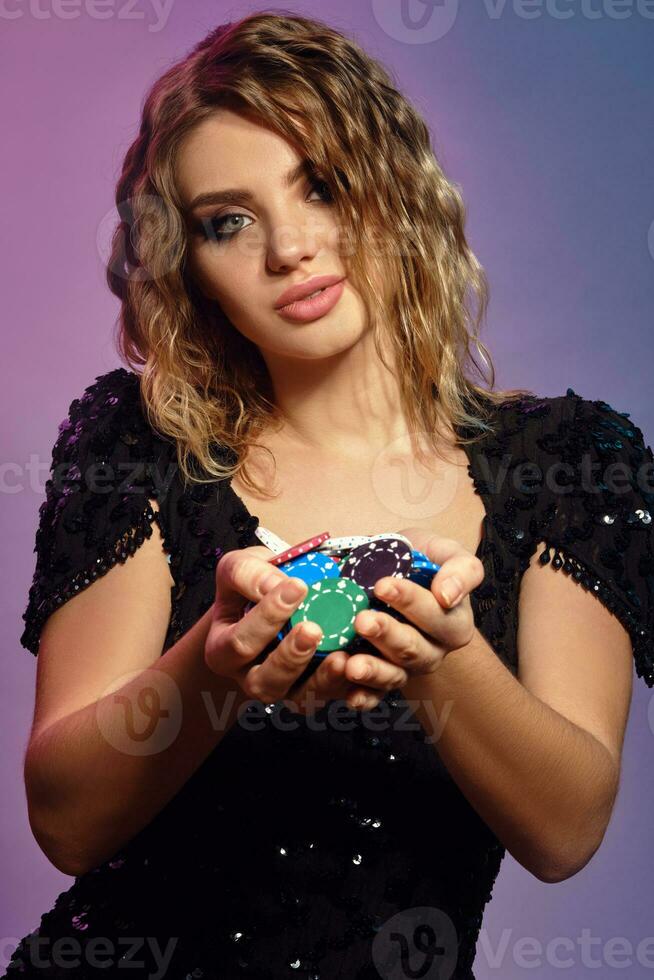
(233, 195)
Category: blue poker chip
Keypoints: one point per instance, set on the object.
(422, 561)
(311, 567)
(422, 569)
(419, 556)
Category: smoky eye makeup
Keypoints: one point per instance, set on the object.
(218, 227)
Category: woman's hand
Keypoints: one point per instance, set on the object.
(235, 640)
(437, 623)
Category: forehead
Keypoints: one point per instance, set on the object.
(228, 149)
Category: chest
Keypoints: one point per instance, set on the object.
(311, 495)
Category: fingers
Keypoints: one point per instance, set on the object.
(271, 680)
(401, 643)
(360, 679)
(430, 631)
(326, 683)
(235, 645)
(373, 676)
(416, 602)
(239, 578)
(460, 571)
(457, 577)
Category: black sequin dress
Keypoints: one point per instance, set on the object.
(345, 829)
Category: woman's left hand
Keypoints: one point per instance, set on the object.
(438, 622)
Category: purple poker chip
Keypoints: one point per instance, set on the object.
(369, 562)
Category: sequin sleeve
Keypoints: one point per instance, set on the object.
(97, 508)
(602, 501)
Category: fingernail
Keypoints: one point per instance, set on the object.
(388, 591)
(452, 591)
(370, 627)
(305, 642)
(291, 591)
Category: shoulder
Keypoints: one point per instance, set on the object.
(114, 397)
(568, 425)
(107, 466)
(598, 473)
(107, 423)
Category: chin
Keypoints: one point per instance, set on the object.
(329, 343)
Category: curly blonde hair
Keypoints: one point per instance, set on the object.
(203, 383)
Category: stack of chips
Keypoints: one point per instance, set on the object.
(341, 574)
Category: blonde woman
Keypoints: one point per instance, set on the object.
(229, 803)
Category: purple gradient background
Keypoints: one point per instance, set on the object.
(546, 123)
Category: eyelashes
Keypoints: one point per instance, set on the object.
(212, 227)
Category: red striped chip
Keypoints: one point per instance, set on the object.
(299, 549)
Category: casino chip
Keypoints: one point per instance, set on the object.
(423, 569)
(333, 604)
(341, 574)
(300, 549)
(376, 559)
(344, 545)
(419, 555)
(311, 567)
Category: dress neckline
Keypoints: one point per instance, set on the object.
(477, 482)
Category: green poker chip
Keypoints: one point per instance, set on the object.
(333, 604)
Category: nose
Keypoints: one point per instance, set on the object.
(293, 242)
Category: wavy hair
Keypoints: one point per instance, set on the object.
(203, 384)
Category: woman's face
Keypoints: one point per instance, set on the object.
(245, 252)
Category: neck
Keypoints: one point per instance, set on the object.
(346, 405)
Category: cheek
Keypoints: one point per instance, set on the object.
(231, 282)
(223, 279)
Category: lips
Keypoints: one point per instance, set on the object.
(304, 289)
(309, 309)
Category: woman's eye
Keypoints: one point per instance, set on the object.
(323, 187)
(222, 227)
(212, 228)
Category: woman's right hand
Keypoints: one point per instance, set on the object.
(235, 640)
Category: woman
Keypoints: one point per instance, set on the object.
(226, 809)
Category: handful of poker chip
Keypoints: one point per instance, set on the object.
(341, 574)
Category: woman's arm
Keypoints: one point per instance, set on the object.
(541, 767)
(97, 775)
